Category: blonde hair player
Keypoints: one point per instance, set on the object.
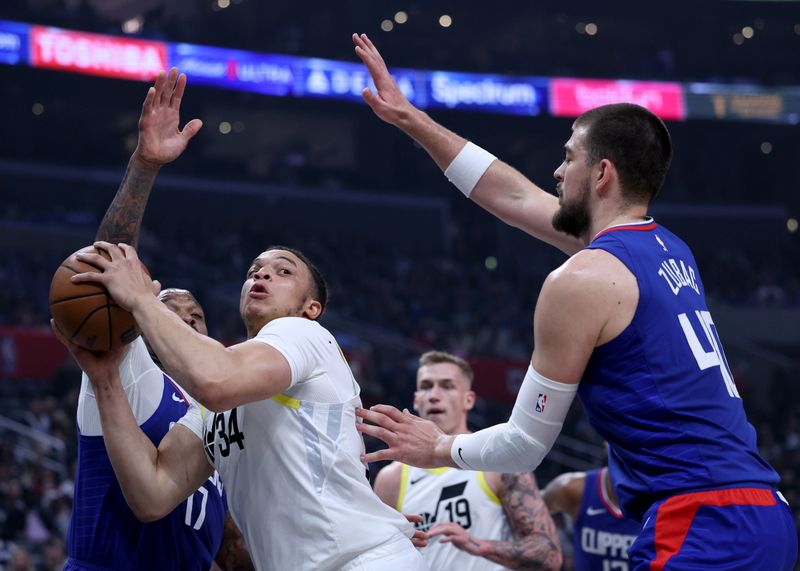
(476, 521)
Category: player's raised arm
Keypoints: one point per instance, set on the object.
(161, 141)
(153, 480)
(491, 183)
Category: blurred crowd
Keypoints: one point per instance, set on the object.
(385, 310)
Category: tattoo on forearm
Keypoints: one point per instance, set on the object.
(535, 545)
(123, 218)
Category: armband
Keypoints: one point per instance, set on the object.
(520, 444)
(468, 167)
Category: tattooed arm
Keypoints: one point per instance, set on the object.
(534, 546)
(160, 142)
(233, 555)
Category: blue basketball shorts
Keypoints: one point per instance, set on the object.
(747, 529)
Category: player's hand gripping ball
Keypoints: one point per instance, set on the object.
(85, 313)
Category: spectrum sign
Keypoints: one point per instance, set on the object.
(570, 97)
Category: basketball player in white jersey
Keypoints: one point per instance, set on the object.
(286, 445)
(477, 521)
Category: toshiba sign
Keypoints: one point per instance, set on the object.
(97, 55)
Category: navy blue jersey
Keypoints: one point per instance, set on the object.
(661, 392)
(601, 534)
(105, 534)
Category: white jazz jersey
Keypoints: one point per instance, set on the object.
(447, 494)
(291, 464)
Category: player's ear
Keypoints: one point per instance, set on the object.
(312, 309)
(469, 400)
(605, 173)
(416, 406)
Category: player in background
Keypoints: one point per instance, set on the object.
(601, 534)
(624, 324)
(482, 520)
(103, 532)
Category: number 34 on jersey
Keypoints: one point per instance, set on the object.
(223, 432)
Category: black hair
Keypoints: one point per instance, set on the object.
(319, 287)
(635, 140)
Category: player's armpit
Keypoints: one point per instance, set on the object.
(564, 493)
(387, 484)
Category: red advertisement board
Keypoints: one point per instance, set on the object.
(95, 54)
(498, 379)
(31, 353)
(571, 97)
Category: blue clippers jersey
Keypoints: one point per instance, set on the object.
(661, 392)
(600, 535)
(105, 534)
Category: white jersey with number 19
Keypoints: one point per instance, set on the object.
(296, 486)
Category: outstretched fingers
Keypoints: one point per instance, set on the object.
(147, 106)
(169, 86)
(388, 411)
(380, 456)
(191, 128)
(158, 86)
(177, 94)
(378, 432)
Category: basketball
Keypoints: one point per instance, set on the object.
(85, 313)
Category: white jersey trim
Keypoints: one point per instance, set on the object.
(142, 381)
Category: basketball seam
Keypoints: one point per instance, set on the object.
(82, 296)
(85, 319)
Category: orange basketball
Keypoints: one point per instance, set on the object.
(85, 313)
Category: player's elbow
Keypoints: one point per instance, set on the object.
(212, 395)
(148, 511)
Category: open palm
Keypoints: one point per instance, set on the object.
(160, 138)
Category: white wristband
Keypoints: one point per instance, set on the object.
(468, 167)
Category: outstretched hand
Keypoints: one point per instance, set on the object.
(160, 138)
(388, 103)
(410, 439)
(451, 532)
